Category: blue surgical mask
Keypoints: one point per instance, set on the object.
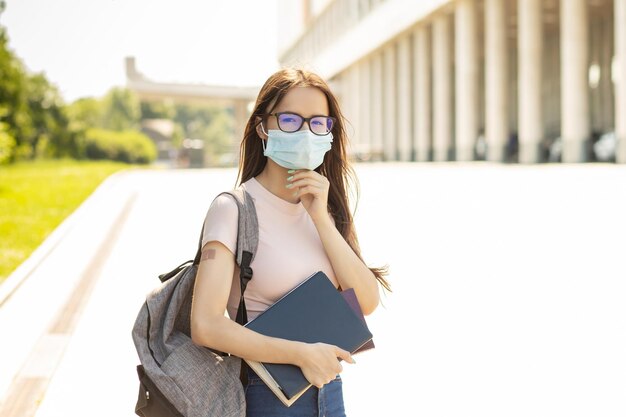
(297, 150)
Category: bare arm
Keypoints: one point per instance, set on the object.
(209, 326)
(351, 272)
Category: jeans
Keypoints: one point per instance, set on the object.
(315, 402)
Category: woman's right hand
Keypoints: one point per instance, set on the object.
(320, 362)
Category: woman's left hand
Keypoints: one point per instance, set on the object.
(312, 188)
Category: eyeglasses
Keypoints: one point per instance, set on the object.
(292, 122)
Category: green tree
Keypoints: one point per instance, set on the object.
(211, 123)
(178, 135)
(85, 113)
(34, 121)
(51, 136)
(14, 99)
(7, 144)
(157, 110)
(218, 135)
(121, 110)
(194, 118)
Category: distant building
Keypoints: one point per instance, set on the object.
(424, 80)
(238, 99)
(160, 131)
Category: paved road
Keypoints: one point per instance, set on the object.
(508, 282)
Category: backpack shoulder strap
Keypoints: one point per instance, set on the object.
(248, 231)
(247, 242)
(248, 227)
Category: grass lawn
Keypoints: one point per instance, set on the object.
(35, 197)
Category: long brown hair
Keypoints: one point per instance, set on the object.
(335, 167)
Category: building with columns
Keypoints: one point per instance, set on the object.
(459, 80)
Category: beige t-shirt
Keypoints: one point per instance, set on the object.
(289, 251)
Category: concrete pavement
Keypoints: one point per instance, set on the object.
(508, 287)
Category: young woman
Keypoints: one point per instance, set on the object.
(294, 165)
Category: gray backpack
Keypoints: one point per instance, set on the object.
(176, 376)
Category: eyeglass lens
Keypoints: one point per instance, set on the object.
(289, 122)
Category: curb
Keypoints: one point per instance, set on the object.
(30, 264)
(31, 382)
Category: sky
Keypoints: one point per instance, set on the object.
(81, 44)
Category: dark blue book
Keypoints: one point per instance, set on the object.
(312, 312)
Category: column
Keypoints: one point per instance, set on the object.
(442, 100)
(496, 80)
(529, 78)
(620, 78)
(352, 12)
(466, 80)
(376, 101)
(353, 129)
(364, 8)
(575, 123)
(405, 113)
(365, 110)
(389, 110)
(421, 80)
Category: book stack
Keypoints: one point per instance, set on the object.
(312, 312)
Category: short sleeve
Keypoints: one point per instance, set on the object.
(221, 222)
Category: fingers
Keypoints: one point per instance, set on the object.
(300, 175)
(320, 383)
(345, 355)
(309, 189)
(307, 182)
(304, 182)
(326, 367)
(308, 186)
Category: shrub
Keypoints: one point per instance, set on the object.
(127, 146)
